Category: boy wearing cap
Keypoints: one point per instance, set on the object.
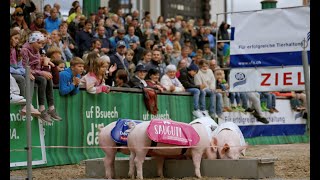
(30, 52)
(187, 80)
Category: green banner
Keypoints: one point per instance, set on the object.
(18, 139)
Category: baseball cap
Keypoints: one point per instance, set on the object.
(132, 41)
(122, 31)
(141, 67)
(193, 67)
(121, 43)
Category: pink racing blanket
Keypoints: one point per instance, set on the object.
(172, 132)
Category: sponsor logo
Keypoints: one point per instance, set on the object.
(241, 79)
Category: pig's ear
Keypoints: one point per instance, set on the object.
(225, 148)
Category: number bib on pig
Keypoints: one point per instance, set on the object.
(172, 132)
(120, 132)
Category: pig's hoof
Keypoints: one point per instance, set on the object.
(198, 176)
(130, 175)
(139, 177)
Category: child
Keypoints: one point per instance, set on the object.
(208, 54)
(54, 52)
(129, 57)
(14, 92)
(17, 71)
(70, 77)
(222, 87)
(147, 55)
(122, 78)
(59, 65)
(94, 81)
(206, 76)
(30, 52)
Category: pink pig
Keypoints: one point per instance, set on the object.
(229, 140)
(138, 139)
(108, 145)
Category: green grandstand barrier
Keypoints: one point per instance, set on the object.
(18, 139)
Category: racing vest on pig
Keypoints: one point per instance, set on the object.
(120, 132)
(172, 132)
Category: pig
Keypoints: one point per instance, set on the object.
(229, 141)
(108, 145)
(138, 140)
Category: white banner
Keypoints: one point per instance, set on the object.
(271, 37)
(267, 79)
(285, 116)
(284, 123)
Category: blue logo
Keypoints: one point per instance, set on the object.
(241, 77)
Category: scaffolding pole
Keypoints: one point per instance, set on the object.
(306, 80)
(28, 114)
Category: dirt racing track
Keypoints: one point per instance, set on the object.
(293, 163)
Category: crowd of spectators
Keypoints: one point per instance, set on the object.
(113, 49)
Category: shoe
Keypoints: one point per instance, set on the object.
(240, 109)
(264, 107)
(54, 115)
(227, 109)
(297, 109)
(14, 98)
(301, 108)
(249, 110)
(205, 113)
(271, 110)
(213, 116)
(197, 113)
(305, 115)
(34, 112)
(263, 120)
(220, 116)
(275, 110)
(234, 108)
(255, 114)
(44, 116)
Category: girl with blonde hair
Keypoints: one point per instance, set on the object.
(94, 80)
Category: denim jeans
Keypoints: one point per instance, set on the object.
(234, 96)
(269, 98)
(244, 100)
(215, 104)
(196, 95)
